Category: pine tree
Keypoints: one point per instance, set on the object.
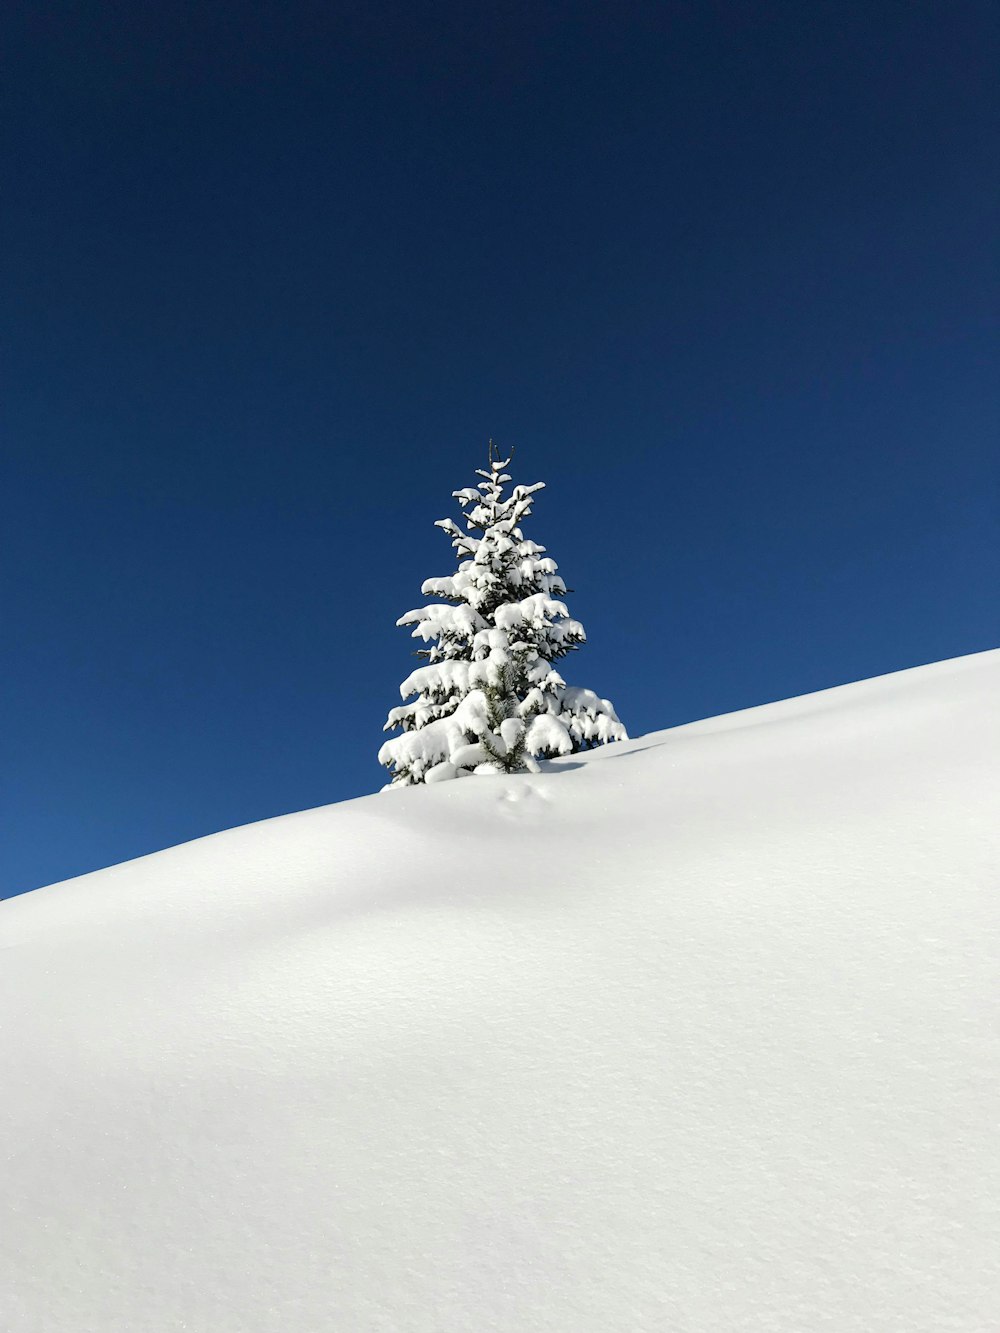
(488, 699)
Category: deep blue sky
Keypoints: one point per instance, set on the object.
(273, 273)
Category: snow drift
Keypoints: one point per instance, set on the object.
(692, 1033)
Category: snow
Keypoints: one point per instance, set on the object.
(548, 735)
(693, 1032)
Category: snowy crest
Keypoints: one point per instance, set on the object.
(488, 698)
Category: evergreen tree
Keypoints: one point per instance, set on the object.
(488, 699)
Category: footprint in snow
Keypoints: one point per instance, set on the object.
(525, 795)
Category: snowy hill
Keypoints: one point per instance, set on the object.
(691, 1034)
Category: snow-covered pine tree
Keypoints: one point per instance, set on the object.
(488, 699)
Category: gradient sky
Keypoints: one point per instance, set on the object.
(274, 273)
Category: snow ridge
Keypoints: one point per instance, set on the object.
(694, 1032)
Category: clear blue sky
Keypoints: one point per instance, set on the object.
(273, 274)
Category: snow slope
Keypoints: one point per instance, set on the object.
(693, 1035)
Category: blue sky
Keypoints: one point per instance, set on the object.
(723, 274)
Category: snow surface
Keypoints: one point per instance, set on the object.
(691, 1033)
